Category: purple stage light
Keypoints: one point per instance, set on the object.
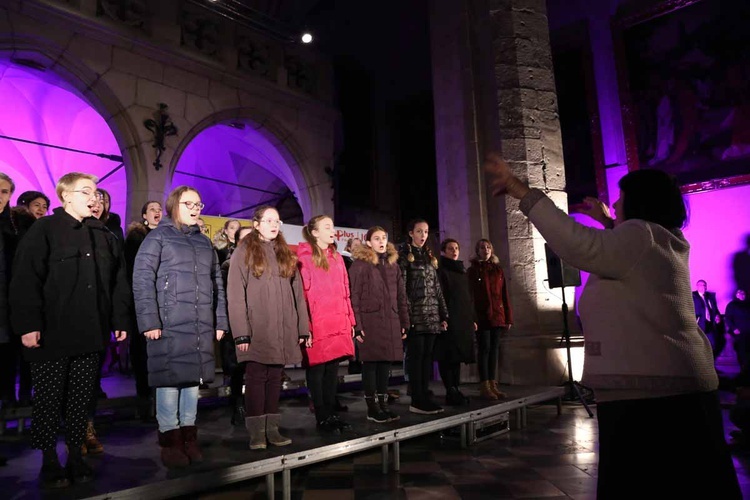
(40, 106)
(237, 156)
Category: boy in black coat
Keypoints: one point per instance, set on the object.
(68, 292)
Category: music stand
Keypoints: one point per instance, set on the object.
(560, 275)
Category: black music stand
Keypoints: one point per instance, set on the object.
(560, 275)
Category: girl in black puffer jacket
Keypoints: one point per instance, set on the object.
(428, 314)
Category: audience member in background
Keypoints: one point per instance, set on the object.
(68, 293)
(111, 219)
(494, 314)
(326, 285)
(269, 321)
(233, 369)
(382, 316)
(151, 214)
(37, 203)
(456, 344)
(737, 318)
(645, 355)
(428, 314)
(707, 316)
(181, 308)
(223, 240)
(14, 222)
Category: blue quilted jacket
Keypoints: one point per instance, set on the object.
(178, 288)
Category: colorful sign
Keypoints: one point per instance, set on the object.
(292, 233)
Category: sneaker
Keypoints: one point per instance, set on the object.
(329, 425)
(341, 424)
(78, 470)
(52, 475)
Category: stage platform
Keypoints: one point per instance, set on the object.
(130, 467)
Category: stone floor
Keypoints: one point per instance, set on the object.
(555, 456)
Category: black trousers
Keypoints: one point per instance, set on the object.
(375, 375)
(13, 365)
(419, 364)
(450, 372)
(139, 362)
(487, 352)
(670, 447)
(62, 390)
(322, 382)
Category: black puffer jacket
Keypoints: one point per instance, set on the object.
(427, 307)
(178, 288)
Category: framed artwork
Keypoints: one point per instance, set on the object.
(683, 71)
(578, 107)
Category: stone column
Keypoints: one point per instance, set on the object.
(494, 89)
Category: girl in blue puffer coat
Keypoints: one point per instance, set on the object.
(181, 307)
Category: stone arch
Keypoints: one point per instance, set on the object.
(296, 176)
(52, 57)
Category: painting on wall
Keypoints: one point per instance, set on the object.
(684, 68)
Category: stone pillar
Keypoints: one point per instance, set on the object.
(494, 90)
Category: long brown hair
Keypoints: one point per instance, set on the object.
(173, 203)
(319, 257)
(256, 257)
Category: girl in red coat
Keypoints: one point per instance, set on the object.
(494, 315)
(326, 286)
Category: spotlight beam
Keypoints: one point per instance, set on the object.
(116, 158)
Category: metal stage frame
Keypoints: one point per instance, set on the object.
(389, 441)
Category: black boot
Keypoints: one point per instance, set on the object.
(78, 470)
(52, 474)
(374, 412)
(238, 414)
(383, 403)
(454, 397)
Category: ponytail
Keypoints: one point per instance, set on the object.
(319, 257)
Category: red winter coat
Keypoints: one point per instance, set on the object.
(331, 315)
(490, 294)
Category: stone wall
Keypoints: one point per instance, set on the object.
(495, 91)
(125, 68)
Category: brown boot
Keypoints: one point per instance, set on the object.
(256, 426)
(90, 442)
(486, 392)
(172, 454)
(500, 394)
(272, 431)
(190, 439)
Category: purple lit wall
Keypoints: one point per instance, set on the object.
(238, 156)
(40, 106)
(719, 234)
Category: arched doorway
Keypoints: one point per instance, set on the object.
(237, 167)
(39, 105)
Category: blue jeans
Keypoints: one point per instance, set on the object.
(176, 407)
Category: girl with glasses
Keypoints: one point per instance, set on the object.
(180, 306)
(269, 321)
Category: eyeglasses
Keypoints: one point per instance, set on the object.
(191, 205)
(89, 193)
(273, 222)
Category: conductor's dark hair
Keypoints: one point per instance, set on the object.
(654, 196)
